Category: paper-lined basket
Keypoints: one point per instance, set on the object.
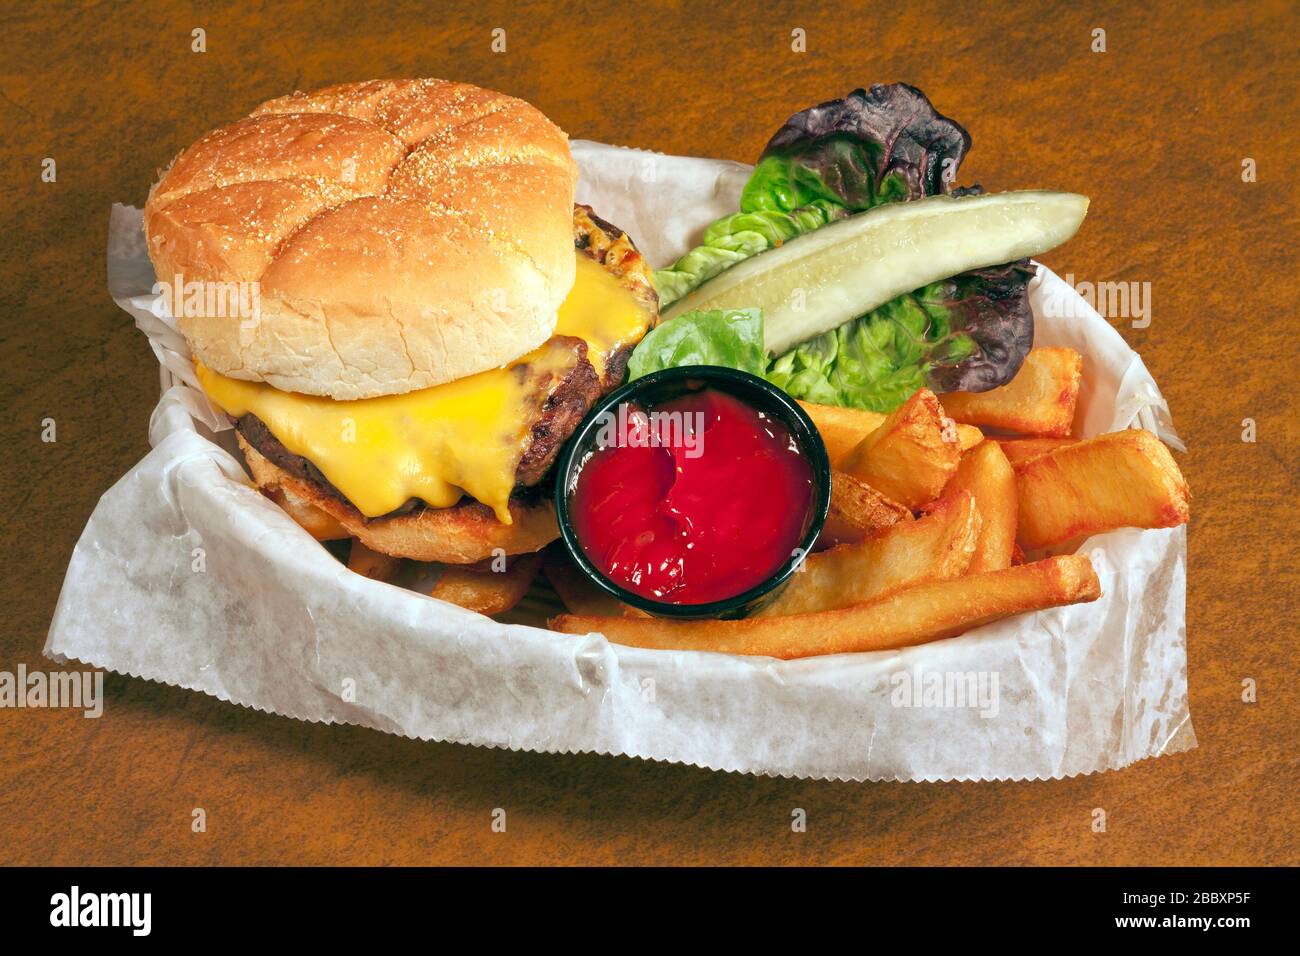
(186, 574)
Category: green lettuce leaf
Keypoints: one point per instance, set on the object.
(840, 157)
(733, 239)
(733, 339)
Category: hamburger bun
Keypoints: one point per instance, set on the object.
(401, 233)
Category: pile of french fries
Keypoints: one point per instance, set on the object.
(490, 587)
(931, 522)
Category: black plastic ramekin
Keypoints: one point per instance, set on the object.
(653, 390)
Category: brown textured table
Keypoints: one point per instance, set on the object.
(1155, 130)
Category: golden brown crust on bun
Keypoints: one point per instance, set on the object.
(402, 234)
(463, 534)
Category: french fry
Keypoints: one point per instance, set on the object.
(968, 436)
(578, 593)
(842, 428)
(372, 564)
(856, 510)
(935, 547)
(1022, 449)
(985, 472)
(317, 523)
(928, 612)
(479, 588)
(1040, 400)
(1118, 480)
(911, 456)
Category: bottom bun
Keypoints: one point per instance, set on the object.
(462, 534)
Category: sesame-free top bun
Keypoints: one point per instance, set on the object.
(401, 234)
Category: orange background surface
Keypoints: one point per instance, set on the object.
(1154, 130)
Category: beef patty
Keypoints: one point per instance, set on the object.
(564, 392)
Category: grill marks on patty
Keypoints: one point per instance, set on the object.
(575, 391)
(269, 447)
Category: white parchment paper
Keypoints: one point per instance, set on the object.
(186, 574)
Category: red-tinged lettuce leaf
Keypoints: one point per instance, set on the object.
(886, 144)
(989, 307)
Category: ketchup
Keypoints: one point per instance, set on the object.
(696, 505)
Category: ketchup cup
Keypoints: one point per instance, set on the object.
(646, 536)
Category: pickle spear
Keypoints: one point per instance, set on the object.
(822, 279)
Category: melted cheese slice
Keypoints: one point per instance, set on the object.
(601, 312)
(442, 443)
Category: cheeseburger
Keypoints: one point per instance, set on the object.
(435, 315)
